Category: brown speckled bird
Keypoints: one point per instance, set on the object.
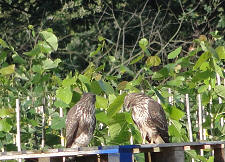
(81, 121)
(149, 117)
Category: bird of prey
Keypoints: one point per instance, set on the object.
(81, 121)
(149, 117)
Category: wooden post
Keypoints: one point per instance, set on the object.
(169, 155)
(120, 157)
(219, 155)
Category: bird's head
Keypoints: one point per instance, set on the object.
(127, 101)
(89, 97)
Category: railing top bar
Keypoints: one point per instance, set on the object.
(103, 149)
(182, 144)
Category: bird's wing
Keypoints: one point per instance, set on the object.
(72, 125)
(158, 117)
(71, 134)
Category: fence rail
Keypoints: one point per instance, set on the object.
(153, 152)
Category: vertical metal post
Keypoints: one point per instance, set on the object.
(18, 141)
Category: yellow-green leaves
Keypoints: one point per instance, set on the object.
(153, 61)
(174, 53)
(8, 70)
(203, 58)
(221, 52)
(116, 105)
(143, 43)
(220, 91)
(3, 43)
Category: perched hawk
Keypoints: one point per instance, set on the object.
(80, 122)
(149, 117)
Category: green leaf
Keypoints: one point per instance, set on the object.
(49, 64)
(203, 58)
(219, 70)
(161, 74)
(35, 51)
(50, 38)
(18, 59)
(143, 43)
(3, 44)
(95, 88)
(96, 51)
(44, 47)
(201, 76)
(178, 81)
(65, 94)
(211, 159)
(112, 59)
(220, 91)
(203, 88)
(106, 87)
(6, 112)
(58, 123)
(84, 79)
(221, 52)
(5, 126)
(116, 105)
(101, 102)
(176, 113)
(174, 53)
(60, 104)
(37, 69)
(137, 59)
(102, 117)
(175, 129)
(125, 69)
(69, 81)
(153, 61)
(8, 70)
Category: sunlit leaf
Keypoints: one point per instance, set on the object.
(65, 94)
(220, 91)
(176, 113)
(69, 81)
(116, 105)
(175, 128)
(84, 79)
(5, 126)
(50, 38)
(153, 61)
(203, 88)
(3, 44)
(178, 81)
(102, 117)
(203, 58)
(143, 43)
(60, 104)
(8, 70)
(101, 102)
(37, 68)
(58, 123)
(221, 52)
(6, 112)
(49, 64)
(174, 53)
